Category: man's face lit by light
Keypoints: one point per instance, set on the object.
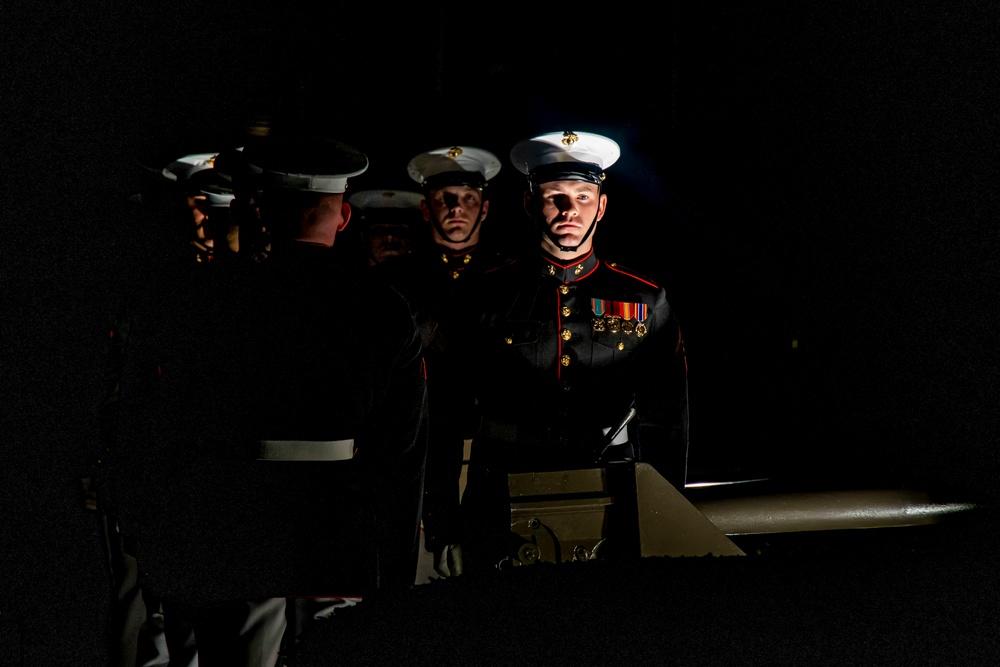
(456, 208)
(567, 208)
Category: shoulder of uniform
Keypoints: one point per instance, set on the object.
(504, 264)
(629, 273)
(407, 262)
(500, 261)
(403, 272)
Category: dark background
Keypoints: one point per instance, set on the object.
(824, 173)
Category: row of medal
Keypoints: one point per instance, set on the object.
(614, 324)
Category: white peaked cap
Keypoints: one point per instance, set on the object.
(453, 160)
(559, 147)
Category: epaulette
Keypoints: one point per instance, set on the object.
(618, 268)
(503, 264)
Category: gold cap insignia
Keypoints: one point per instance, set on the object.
(569, 138)
(454, 152)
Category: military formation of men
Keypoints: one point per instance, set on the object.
(282, 421)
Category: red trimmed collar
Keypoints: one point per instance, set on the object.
(567, 271)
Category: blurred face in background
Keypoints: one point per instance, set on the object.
(386, 240)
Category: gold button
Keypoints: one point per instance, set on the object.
(552, 270)
(566, 312)
(564, 289)
(564, 360)
(566, 334)
(466, 259)
(621, 345)
(509, 340)
(565, 386)
(455, 275)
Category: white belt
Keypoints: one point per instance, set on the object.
(306, 450)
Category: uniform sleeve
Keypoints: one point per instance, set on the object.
(393, 450)
(451, 406)
(661, 396)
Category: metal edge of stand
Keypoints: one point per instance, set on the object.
(826, 510)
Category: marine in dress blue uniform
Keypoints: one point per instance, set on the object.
(580, 360)
(145, 629)
(440, 279)
(304, 475)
